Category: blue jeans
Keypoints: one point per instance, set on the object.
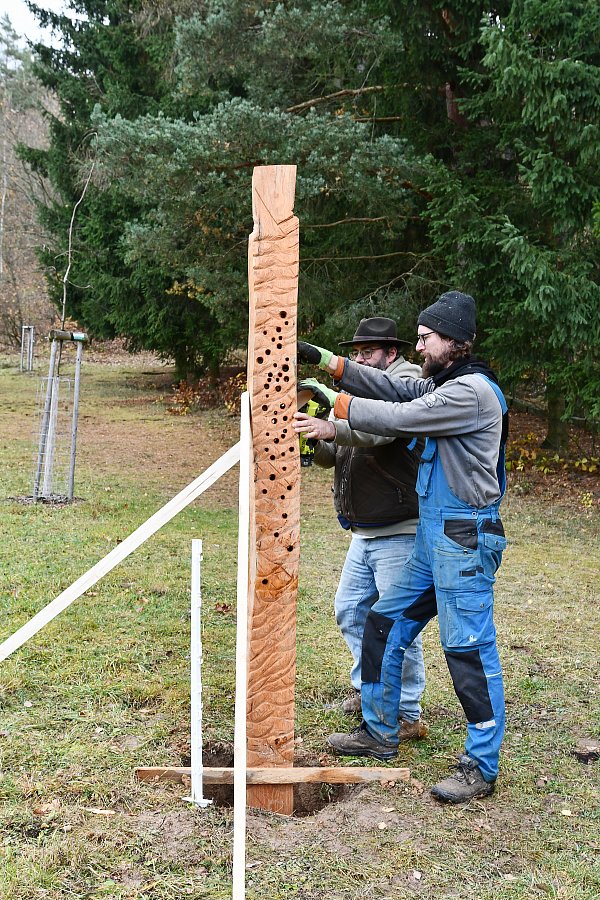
(372, 565)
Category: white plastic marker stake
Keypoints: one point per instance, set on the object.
(196, 794)
(120, 552)
(241, 660)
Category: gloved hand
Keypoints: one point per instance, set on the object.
(310, 353)
(324, 395)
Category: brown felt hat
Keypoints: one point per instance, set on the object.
(377, 330)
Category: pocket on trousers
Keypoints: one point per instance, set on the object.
(462, 532)
(491, 549)
(469, 619)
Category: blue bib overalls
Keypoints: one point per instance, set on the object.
(451, 573)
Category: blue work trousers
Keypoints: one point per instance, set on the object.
(450, 573)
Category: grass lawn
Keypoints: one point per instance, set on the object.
(105, 687)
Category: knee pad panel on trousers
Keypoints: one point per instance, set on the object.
(376, 633)
(470, 683)
(424, 608)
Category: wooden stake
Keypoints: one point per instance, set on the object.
(275, 500)
(279, 775)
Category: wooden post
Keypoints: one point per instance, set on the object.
(275, 499)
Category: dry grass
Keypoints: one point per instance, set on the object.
(104, 688)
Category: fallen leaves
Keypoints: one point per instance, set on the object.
(223, 608)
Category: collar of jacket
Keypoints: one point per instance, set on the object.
(469, 365)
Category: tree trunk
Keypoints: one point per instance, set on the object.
(557, 437)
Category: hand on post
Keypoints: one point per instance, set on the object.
(324, 395)
(310, 353)
(313, 428)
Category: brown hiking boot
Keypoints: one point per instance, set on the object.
(360, 743)
(351, 705)
(464, 784)
(413, 731)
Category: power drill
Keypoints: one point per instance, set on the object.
(307, 445)
(313, 402)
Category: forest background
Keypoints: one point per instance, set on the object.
(438, 146)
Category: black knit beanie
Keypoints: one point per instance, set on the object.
(453, 315)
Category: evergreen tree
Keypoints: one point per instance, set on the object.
(437, 146)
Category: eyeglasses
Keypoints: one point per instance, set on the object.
(365, 352)
(422, 338)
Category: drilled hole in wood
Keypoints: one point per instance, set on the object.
(272, 456)
(282, 406)
(275, 534)
(279, 346)
(259, 360)
(265, 581)
(283, 314)
(272, 477)
(284, 515)
(267, 352)
(276, 441)
(277, 387)
(278, 328)
(290, 548)
(286, 378)
(264, 407)
(285, 368)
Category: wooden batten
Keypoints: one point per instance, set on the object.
(279, 775)
(273, 258)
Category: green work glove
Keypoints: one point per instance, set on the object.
(322, 394)
(312, 354)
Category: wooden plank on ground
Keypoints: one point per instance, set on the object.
(275, 501)
(279, 775)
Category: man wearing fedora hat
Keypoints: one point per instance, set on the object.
(375, 499)
(459, 407)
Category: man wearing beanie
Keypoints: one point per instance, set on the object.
(460, 409)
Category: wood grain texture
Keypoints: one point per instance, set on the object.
(273, 255)
(282, 775)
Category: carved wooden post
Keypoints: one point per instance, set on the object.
(275, 500)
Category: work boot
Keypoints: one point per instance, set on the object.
(351, 705)
(413, 731)
(360, 743)
(464, 784)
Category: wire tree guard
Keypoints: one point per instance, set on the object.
(57, 434)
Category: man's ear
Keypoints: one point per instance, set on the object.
(393, 353)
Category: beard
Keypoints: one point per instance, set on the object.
(382, 364)
(432, 365)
